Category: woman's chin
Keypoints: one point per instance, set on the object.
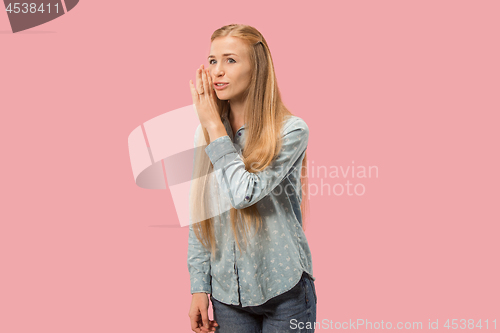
(222, 98)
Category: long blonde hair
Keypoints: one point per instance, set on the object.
(264, 117)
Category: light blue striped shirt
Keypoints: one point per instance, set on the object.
(275, 258)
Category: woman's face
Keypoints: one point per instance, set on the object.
(229, 62)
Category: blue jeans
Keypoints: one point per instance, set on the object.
(292, 311)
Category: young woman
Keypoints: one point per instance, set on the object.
(256, 158)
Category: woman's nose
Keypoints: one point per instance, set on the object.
(218, 71)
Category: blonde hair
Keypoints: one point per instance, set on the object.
(264, 116)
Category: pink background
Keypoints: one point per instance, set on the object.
(411, 87)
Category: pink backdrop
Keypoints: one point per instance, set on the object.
(409, 87)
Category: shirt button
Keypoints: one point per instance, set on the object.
(246, 198)
(239, 133)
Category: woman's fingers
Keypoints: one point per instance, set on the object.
(210, 84)
(194, 93)
(205, 82)
(211, 88)
(199, 83)
(205, 104)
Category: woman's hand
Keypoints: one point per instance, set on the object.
(205, 99)
(198, 313)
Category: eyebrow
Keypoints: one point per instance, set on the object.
(224, 55)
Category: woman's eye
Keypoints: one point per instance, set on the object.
(211, 63)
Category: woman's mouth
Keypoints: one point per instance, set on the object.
(220, 86)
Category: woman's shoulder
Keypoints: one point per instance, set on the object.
(293, 123)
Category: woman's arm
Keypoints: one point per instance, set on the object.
(198, 256)
(198, 265)
(247, 188)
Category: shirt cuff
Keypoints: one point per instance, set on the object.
(199, 284)
(220, 147)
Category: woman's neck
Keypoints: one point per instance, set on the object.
(236, 115)
(236, 118)
(236, 112)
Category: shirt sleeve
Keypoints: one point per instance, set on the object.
(247, 188)
(198, 258)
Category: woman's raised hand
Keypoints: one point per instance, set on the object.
(204, 98)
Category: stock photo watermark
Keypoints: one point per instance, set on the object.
(337, 180)
(158, 164)
(26, 15)
(328, 324)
